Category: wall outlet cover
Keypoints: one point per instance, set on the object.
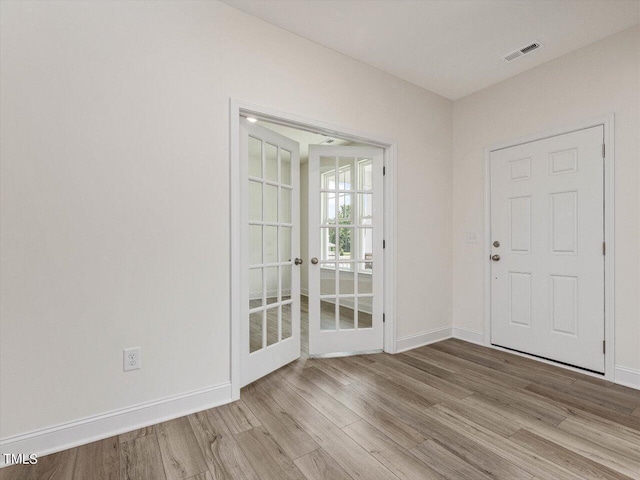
(132, 358)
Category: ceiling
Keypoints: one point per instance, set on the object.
(450, 47)
(304, 138)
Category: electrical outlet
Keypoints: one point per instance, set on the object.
(132, 359)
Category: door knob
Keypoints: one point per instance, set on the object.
(496, 244)
(298, 261)
(495, 258)
(314, 260)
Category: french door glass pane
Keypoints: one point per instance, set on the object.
(270, 203)
(328, 314)
(255, 244)
(285, 244)
(365, 278)
(255, 157)
(286, 321)
(345, 244)
(365, 238)
(255, 287)
(364, 312)
(346, 282)
(272, 325)
(328, 238)
(271, 162)
(285, 167)
(285, 205)
(328, 206)
(345, 173)
(365, 174)
(345, 313)
(255, 331)
(328, 279)
(328, 173)
(271, 284)
(345, 208)
(286, 282)
(255, 201)
(270, 244)
(365, 209)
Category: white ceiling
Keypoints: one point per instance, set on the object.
(451, 47)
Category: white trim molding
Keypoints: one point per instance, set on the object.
(471, 336)
(607, 121)
(421, 339)
(627, 377)
(90, 429)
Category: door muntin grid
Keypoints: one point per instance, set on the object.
(346, 242)
(270, 244)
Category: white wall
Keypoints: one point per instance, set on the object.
(115, 192)
(599, 79)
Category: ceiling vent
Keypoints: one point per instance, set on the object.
(510, 57)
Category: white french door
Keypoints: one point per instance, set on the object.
(270, 331)
(346, 246)
(547, 233)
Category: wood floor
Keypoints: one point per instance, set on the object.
(449, 410)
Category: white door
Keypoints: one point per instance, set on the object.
(270, 274)
(547, 233)
(345, 246)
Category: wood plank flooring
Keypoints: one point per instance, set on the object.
(451, 410)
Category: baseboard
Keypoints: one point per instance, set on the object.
(467, 335)
(421, 339)
(627, 377)
(61, 437)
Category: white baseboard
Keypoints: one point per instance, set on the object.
(90, 429)
(421, 339)
(627, 377)
(467, 335)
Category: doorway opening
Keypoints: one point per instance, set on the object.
(312, 208)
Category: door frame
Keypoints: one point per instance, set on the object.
(238, 230)
(607, 121)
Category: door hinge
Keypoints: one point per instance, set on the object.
(604, 248)
(604, 346)
(383, 318)
(384, 170)
(603, 150)
(384, 244)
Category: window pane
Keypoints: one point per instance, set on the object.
(255, 331)
(255, 201)
(328, 202)
(255, 157)
(285, 167)
(270, 203)
(365, 208)
(365, 174)
(286, 282)
(271, 162)
(345, 313)
(328, 279)
(328, 238)
(328, 314)
(285, 244)
(272, 325)
(285, 205)
(271, 284)
(345, 173)
(365, 238)
(270, 244)
(255, 244)
(255, 287)
(286, 321)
